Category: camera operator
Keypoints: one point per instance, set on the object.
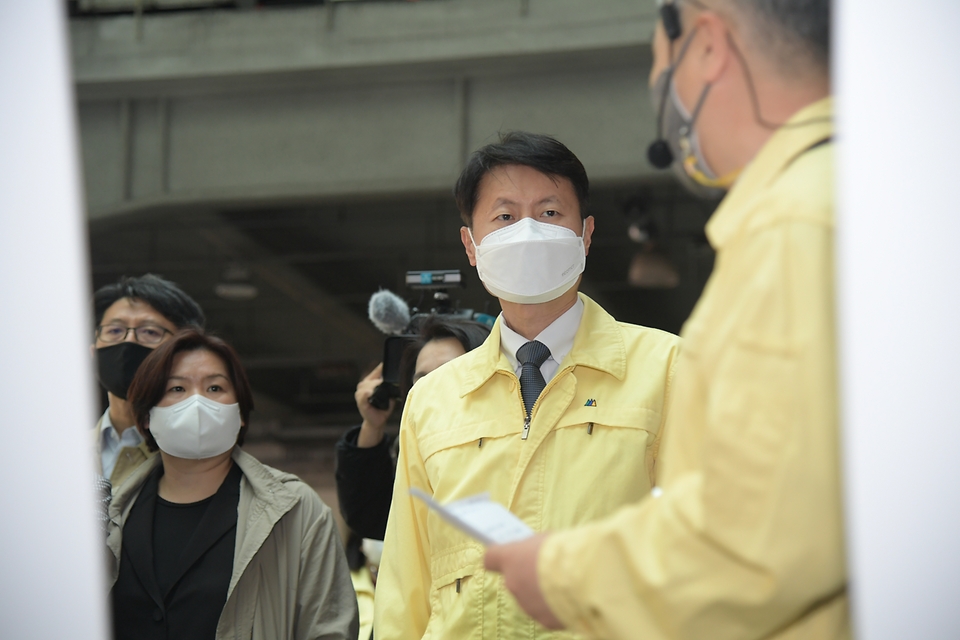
(365, 467)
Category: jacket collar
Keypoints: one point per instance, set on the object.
(219, 519)
(127, 492)
(262, 504)
(138, 546)
(784, 147)
(264, 484)
(263, 501)
(598, 345)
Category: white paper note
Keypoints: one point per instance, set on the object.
(480, 517)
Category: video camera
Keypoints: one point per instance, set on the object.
(392, 315)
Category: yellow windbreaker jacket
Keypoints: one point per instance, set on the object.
(592, 447)
(746, 538)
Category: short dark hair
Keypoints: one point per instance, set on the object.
(469, 333)
(164, 296)
(150, 383)
(545, 154)
(790, 30)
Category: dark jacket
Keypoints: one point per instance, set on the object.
(365, 484)
(141, 609)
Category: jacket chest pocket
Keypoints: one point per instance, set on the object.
(456, 596)
(597, 461)
(472, 459)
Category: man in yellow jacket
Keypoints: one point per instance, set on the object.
(558, 415)
(743, 538)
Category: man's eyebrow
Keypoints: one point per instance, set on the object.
(549, 199)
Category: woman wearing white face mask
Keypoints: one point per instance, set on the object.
(208, 542)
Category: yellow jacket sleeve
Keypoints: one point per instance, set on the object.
(403, 583)
(745, 540)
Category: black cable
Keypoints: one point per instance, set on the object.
(754, 99)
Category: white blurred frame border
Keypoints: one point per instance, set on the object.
(52, 556)
(897, 83)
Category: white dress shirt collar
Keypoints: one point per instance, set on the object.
(557, 336)
(111, 443)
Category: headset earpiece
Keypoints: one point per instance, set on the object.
(659, 152)
(670, 17)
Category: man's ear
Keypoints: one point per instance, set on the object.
(588, 224)
(467, 241)
(713, 53)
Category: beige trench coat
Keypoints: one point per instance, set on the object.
(290, 576)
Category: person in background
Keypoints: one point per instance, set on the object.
(207, 542)
(557, 415)
(365, 466)
(364, 579)
(744, 538)
(133, 316)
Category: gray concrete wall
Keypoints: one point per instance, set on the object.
(352, 99)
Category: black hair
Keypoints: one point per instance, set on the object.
(356, 560)
(150, 383)
(469, 333)
(164, 296)
(543, 153)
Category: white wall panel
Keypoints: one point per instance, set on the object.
(51, 554)
(899, 279)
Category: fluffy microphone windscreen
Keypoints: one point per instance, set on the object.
(389, 312)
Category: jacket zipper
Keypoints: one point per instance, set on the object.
(526, 420)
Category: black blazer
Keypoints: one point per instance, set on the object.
(187, 611)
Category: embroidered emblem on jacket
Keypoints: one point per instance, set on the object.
(590, 403)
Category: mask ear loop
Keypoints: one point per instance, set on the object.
(687, 129)
(690, 160)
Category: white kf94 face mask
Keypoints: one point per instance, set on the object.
(530, 262)
(195, 428)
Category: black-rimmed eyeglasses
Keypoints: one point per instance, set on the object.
(147, 334)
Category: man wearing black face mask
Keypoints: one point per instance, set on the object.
(133, 317)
